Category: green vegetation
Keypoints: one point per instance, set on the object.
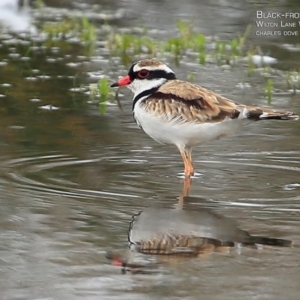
(187, 40)
(80, 28)
(187, 43)
(126, 46)
(38, 4)
(293, 80)
(88, 35)
(191, 77)
(60, 29)
(105, 94)
(269, 90)
(103, 88)
(250, 64)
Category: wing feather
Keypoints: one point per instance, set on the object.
(187, 102)
(181, 101)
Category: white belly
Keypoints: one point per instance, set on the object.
(181, 133)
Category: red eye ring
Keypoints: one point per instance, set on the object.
(143, 73)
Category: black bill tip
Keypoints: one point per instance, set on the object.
(114, 84)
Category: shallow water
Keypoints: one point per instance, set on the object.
(70, 179)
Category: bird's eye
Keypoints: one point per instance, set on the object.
(143, 73)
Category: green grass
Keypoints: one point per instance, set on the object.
(187, 42)
(103, 88)
(38, 4)
(81, 28)
(293, 80)
(128, 45)
(103, 93)
(269, 90)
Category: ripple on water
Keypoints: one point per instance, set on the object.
(45, 173)
(89, 178)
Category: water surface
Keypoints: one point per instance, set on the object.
(70, 179)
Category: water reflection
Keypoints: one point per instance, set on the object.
(188, 232)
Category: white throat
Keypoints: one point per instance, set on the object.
(140, 85)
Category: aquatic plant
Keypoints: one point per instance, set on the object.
(224, 51)
(38, 4)
(88, 36)
(187, 40)
(103, 88)
(250, 64)
(131, 46)
(200, 41)
(269, 90)
(104, 94)
(128, 45)
(59, 29)
(191, 77)
(293, 80)
(227, 52)
(81, 28)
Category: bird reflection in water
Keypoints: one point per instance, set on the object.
(169, 235)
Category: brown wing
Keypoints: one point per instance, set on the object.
(187, 102)
(190, 103)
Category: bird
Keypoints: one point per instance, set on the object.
(180, 113)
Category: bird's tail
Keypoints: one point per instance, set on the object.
(259, 113)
